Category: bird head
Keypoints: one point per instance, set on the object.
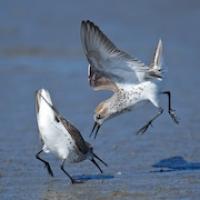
(101, 114)
(41, 96)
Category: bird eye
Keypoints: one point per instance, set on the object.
(98, 116)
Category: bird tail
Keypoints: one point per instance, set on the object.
(155, 68)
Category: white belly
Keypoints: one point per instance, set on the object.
(138, 93)
(57, 140)
(54, 135)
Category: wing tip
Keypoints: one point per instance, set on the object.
(88, 24)
(87, 21)
(160, 44)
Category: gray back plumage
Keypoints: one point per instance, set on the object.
(75, 134)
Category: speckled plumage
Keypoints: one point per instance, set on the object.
(59, 136)
(113, 69)
(125, 99)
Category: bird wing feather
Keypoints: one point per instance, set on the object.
(75, 134)
(105, 57)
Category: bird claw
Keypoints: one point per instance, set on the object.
(144, 128)
(173, 116)
(49, 170)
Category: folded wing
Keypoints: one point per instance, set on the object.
(75, 134)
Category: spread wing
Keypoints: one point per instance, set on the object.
(100, 80)
(107, 61)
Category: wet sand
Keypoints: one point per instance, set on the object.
(40, 47)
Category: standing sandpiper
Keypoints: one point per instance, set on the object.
(128, 78)
(60, 137)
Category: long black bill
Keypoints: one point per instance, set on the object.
(97, 157)
(96, 164)
(51, 106)
(97, 127)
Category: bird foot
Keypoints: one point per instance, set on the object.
(173, 116)
(50, 172)
(144, 128)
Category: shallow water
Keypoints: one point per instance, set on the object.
(40, 47)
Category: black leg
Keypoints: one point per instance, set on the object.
(70, 177)
(146, 126)
(170, 110)
(96, 164)
(45, 162)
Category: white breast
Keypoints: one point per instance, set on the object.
(132, 94)
(55, 137)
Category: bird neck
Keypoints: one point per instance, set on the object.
(46, 111)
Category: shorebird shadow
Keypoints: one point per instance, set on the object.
(176, 163)
(86, 177)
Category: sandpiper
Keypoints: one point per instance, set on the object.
(128, 78)
(60, 137)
